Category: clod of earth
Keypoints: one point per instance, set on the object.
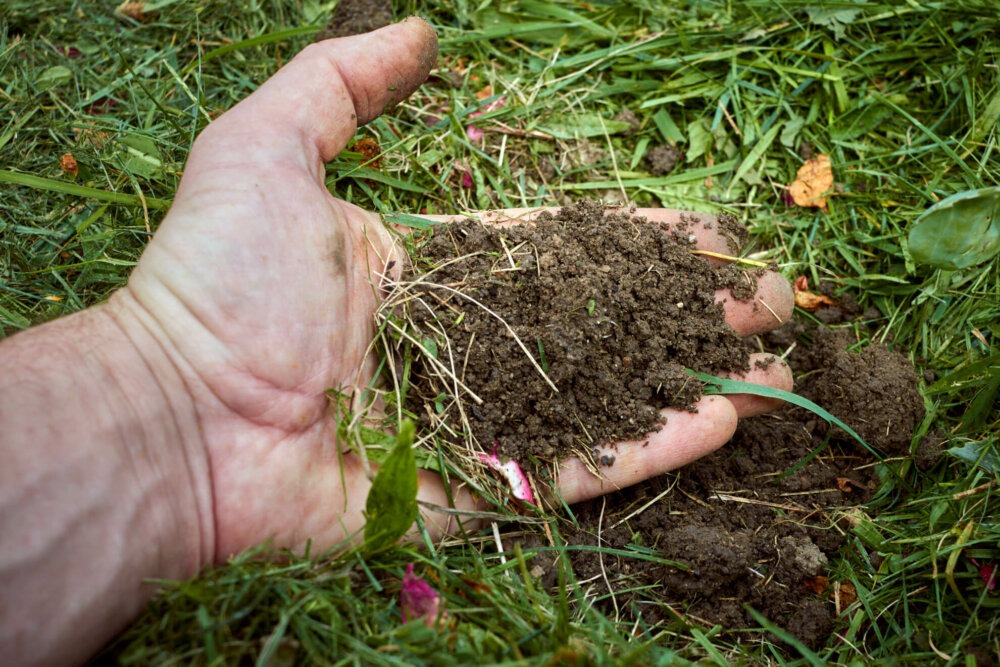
(564, 334)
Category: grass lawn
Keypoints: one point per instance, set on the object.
(98, 112)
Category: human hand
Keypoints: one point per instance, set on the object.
(259, 290)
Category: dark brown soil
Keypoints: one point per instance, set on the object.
(661, 160)
(600, 294)
(752, 527)
(353, 17)
(595, 317)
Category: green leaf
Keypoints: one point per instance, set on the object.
(667, 127)
(582, 125)
(833, 18)
(391, 507)
(960, 231)
(407, 220)
(714, 385)
(54, 76)
(142, 156)
(978, 453)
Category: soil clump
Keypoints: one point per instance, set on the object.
(573, 331)
(752, 524)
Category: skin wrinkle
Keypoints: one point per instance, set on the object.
(205, 528)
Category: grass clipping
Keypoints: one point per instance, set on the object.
(542, 341)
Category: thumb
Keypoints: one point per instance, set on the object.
(314, 104)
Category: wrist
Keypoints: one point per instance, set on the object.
(104, 482)
(166, 446)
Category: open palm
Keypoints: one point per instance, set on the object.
(261, 287)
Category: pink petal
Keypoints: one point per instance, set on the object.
(520, 488)
(466, 179)
(474, 133)
(418, 599)
(989, 574)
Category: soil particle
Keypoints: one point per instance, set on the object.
(662, 159)
(574, 331)
(628, 116)
(734, 231)
(930, 450)
(353, 17)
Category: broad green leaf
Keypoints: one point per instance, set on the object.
(580, 126)
(391, 507)
(978, 453)
(142, 156)
(53, 76)
(834, 18)
(714, 385)
(958, 232)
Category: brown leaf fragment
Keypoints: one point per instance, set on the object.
(133, 10)
(68, 164)
(818, 584)
(807, 300)
(846, 485)
(813, 180)
(847, 595)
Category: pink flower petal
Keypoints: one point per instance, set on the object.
(989, 574)
(520, 488)
(466, 180)
(418, 599)
(474, 133)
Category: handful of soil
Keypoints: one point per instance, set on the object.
(544, 340)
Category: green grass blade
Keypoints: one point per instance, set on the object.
(260, 40)
(715, 385)
(786, 637)
(52, 185)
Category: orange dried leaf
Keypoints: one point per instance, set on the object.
(484, 93)
(848, 595)
(813, 180)
(68, 164)
(812, 302)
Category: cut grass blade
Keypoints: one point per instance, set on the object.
(721, 386)
(52, 185)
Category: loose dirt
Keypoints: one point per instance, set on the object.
(574, 331)
(353, 17)
(751, 524)
(610, 310)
